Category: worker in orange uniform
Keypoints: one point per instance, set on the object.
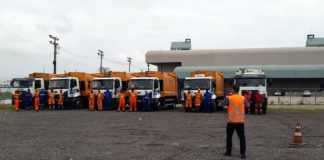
(16, 100)
(60, 100)
(122, 103)
(91, 100)
(99, 100)
(258, 103)
(188, 101)
(247, 95)
(235, 120)
(132, 100)
(36, 100)
(51, 100)
(198, 100)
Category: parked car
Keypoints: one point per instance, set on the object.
(278, 93)
(307, 93)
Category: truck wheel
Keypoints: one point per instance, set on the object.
(79, 103)
(157, 105)
(213, 106)
(264, 107)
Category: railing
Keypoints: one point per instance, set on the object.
(295, 96)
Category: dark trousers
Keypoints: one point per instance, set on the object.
(239, 127)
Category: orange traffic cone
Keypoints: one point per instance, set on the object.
(298, 136)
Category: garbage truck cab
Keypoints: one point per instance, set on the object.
(75, 86)
(252, 80)
(161, 85)
(205, 80)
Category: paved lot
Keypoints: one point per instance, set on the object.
(80, 134)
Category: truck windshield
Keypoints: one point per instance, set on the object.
(102, 84)
(250, 82)
(192, 84)
(59, 84)
(141, 84)
(22, 83)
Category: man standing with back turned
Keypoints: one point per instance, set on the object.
(235, 121)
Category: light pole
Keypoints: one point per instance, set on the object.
(101, 55)
(55, 44)
(129, 60)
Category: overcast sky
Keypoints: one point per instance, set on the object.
(129, 28)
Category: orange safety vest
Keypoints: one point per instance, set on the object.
(100, 96)
(121, 96)
(51, 96)
(91, 96)
(236, 113)
(133, 96)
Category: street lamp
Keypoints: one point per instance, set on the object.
(129, 60)
(55, 44)
(100, 53)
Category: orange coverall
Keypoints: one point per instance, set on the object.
(51, 100)
(198, 97)
(91, 101)
(16, 97)
(36, 100)
(189, 100)
(122, 102)
(61, 100)
(133, 97)
(99, 101)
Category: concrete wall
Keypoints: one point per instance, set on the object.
(294, 100)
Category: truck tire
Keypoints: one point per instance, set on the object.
(265, 106)
(79, 103)
(157, 105)
(213, 106)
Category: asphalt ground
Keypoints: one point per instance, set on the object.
(169, 134)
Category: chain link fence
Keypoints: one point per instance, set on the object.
(295, 96)
(5, 95)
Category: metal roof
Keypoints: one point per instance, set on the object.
(271, 71)
(248, 56)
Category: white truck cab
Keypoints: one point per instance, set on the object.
(145, 84)
(70, 86)
(113, 84)
(23, 84)
(251, 80)
(199, 82)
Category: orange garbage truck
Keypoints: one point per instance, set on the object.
(115, 82)
(162, 87)
(212, 81)
(75, 86)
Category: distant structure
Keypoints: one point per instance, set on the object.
(186, 45)
(314, 42)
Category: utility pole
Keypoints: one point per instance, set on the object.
(55, 44)
(148, 67)
(129, 60)
(101, 55)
